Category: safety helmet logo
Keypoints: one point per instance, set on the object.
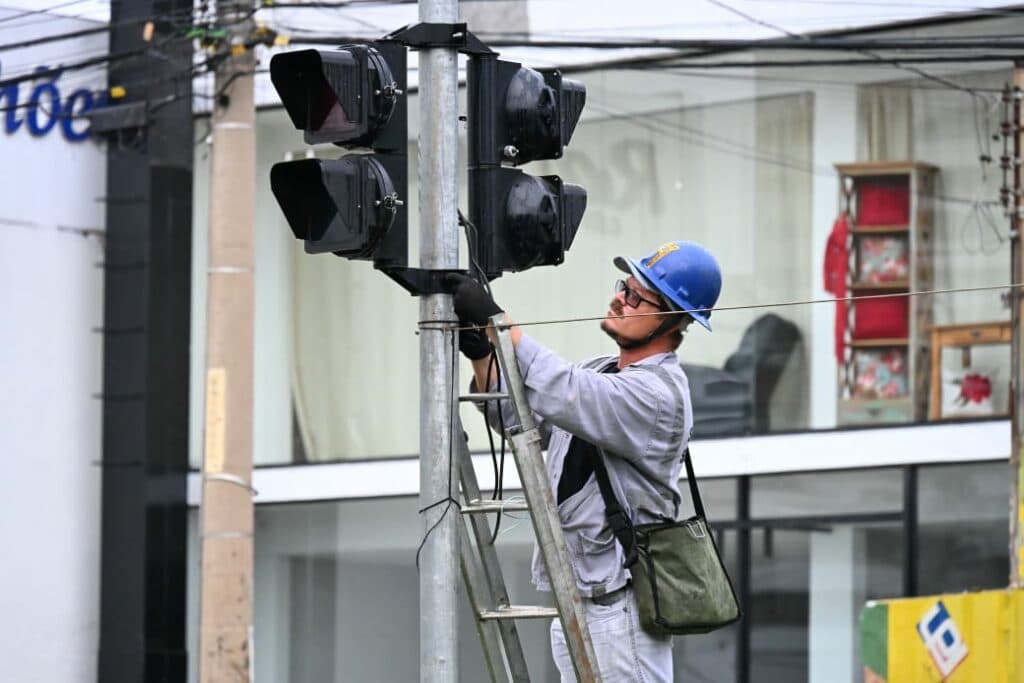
(661, 253)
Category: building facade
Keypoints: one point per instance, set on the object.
(816, 513)
(52, 218)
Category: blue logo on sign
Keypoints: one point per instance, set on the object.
(45, 108)
(942, 639)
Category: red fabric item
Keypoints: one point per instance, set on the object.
(883, 202)
(883, 317)
(837, 263)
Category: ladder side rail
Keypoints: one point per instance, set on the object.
(544, 514)
(491, 567)
(487, 630)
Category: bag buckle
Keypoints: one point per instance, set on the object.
(696, 529)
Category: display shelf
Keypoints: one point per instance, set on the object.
(883, 374)
(881, 342)
(880, 229)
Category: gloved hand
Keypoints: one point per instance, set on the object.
(474, 344)
(472, 302)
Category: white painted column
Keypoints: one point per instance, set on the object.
(834, 604)
(835, 141)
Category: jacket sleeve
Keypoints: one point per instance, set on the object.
(634, 414)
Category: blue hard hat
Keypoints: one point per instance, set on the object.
(684, 273)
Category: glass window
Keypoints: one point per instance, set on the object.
(712, 656)
(336, 588)
(744, 165)
(825, 494)
(812, 571)
(963, 527)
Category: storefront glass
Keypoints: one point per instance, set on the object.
(963, 527)
(743, 165)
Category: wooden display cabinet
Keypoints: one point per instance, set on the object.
(884, 376)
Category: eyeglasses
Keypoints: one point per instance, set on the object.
(633, 297)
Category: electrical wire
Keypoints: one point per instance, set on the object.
(448, 501)
(865, 51)
(498, 463)
(45, 10)
(776, 304)
(55, 38)
(708, 140)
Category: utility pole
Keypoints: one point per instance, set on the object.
(1016, 207)
(439, 249)
(226, 510)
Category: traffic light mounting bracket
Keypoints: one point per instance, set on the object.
(428, 35)
(420, 281)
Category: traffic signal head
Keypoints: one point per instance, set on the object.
(541, 216)
(346, 96)
(540, 112)
(346, 206)
(518, 115)
(353, 97)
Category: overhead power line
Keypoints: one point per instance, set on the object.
(44, 10)
(59, 37)
(707, 44)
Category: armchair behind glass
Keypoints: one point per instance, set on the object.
(734, 400)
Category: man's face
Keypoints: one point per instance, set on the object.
(629, 312)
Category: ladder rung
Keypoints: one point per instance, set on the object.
(517, 612)
(484, 506)
(480, 398)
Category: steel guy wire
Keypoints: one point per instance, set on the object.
(433, 325)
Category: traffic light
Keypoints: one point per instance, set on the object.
(353, 97)
(518, 115)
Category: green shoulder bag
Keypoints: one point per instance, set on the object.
(680, 583)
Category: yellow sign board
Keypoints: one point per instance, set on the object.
(954, 638)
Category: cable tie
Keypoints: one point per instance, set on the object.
(231, 479)
(232, 125)
(228, 270)
(226, 534)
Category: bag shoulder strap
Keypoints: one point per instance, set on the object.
(620, 522)
(691, 479)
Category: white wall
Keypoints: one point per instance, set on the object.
(51, 296)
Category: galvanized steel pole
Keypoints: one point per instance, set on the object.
(439, 249)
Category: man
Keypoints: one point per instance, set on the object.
(633, 411)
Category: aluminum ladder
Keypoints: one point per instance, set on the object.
(481, 571)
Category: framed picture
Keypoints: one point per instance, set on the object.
(967, 392)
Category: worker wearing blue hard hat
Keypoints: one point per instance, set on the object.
(624, 419)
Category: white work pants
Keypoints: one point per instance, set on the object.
(625, 653)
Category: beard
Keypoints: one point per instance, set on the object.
(615, 311)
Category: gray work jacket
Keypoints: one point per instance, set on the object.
(639, 417)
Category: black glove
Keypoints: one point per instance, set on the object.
(472, 302)
(474, 344)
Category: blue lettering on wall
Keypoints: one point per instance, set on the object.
(45, 110)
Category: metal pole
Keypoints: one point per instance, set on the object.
(1017, 363)
(226, 510)
(439, 249)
